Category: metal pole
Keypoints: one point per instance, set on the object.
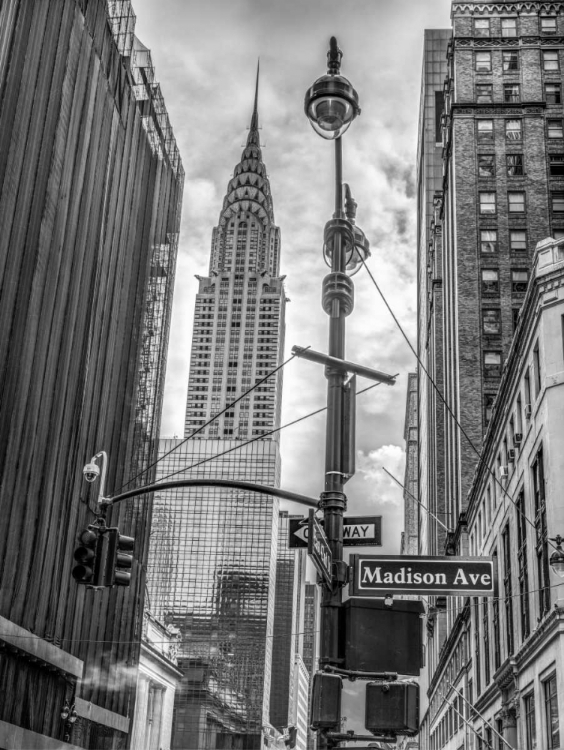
(333, 500)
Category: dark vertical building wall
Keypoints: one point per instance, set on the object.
(288, 626)
(430, 410)
(90, 190)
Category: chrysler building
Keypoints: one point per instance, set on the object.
(238, 333)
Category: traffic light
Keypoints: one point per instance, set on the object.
(292, 733)
(326, 701)
(392, 707)
(87, 555)
(118, 559)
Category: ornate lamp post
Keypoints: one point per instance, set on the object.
(331, 104)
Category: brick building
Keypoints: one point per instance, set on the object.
(485, 323)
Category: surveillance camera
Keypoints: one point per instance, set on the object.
(91, 472)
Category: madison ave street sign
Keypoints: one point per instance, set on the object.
(375, 575)
(318, 548)
(357, 531)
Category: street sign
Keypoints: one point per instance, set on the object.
(318, 548)
(376, 575)
(357, 531)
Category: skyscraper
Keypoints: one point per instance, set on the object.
(90, 190)
(220, 590)
(499, 194)
(239, 315)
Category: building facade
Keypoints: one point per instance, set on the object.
(157, 680)
(223, 543)
(492, 678)
(501, 664)
(310, 643)
(90, 190)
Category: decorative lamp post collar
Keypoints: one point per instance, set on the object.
(331, 104)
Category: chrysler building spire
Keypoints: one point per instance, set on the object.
(253, 136)
(248, 205)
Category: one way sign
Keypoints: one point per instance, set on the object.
(358, 531)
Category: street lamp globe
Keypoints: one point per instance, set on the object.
(557, 557)
(331, 104)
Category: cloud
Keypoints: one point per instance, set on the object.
(205, 58)
(382, 488)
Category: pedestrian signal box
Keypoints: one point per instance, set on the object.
(392, 707)
(326, 701)
(375, 637)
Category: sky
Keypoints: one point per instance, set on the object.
(205, 57)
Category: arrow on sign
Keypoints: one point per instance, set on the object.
(357, 531)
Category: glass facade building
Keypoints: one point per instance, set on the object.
(288, 627)
(212, 568)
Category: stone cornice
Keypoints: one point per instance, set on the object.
(504, 41)
(497, 108)
(478, 8)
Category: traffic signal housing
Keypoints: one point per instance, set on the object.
(87, 555)
(119, 559)
(392, 707)
(326, 701)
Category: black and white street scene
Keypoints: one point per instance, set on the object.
(281, 375)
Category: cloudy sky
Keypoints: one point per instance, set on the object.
(205, 57)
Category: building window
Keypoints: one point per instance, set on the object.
(518, 240)
(507, 589)
(477, 648)
(483, 62)
(523, 565)
(551, 713)
(557, 201)
(510, 60)
(481, 27)
(492, 364)
(543, 576)
(486, 639)
(488, 240)
(536, 370)
(490, 280)
(519, 280)
(508, 27)
(487, 203)
(550, 59)
(554, 128)
(548, 25)
(552, 93)
(485, 130)
(530, 724)
(514, 165)
(511, 92)
(516, 202)
(556, 164)
(486, 165)
(489, 399)
(495, 621)
(484, 93)
(513, 130)
(491, 322)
